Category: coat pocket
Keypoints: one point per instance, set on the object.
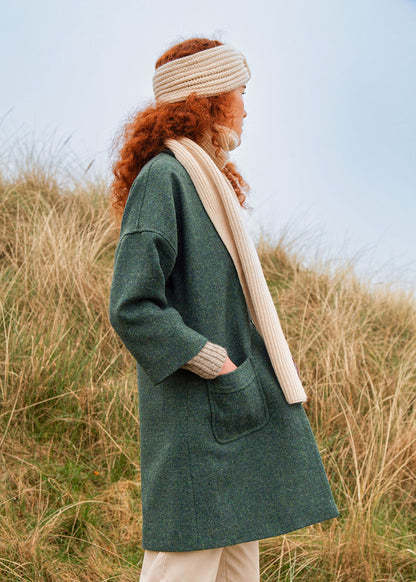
(237, 403)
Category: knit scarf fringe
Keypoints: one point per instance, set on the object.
(223, 208)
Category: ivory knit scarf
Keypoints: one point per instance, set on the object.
(222, 206)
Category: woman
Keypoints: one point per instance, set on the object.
(227, 453)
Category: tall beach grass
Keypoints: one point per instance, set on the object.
(69, 440)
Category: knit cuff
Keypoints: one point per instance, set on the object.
(208, 362)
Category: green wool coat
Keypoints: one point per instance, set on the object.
(223, 461)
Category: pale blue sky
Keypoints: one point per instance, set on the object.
(330, 138)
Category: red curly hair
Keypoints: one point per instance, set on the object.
(143, 137)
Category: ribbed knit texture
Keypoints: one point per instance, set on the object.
(222, 206)
(228, 140)
(208, 362)
(210, 72)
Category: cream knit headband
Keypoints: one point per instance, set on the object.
(210, 72)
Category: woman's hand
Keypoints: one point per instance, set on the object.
(228, 366)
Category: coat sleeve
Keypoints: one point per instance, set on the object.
(151, 329)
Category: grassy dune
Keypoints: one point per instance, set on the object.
(69, 437)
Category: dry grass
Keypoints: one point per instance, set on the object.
(69, 441)
(356, 348)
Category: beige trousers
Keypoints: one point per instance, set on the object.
(239, 563)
